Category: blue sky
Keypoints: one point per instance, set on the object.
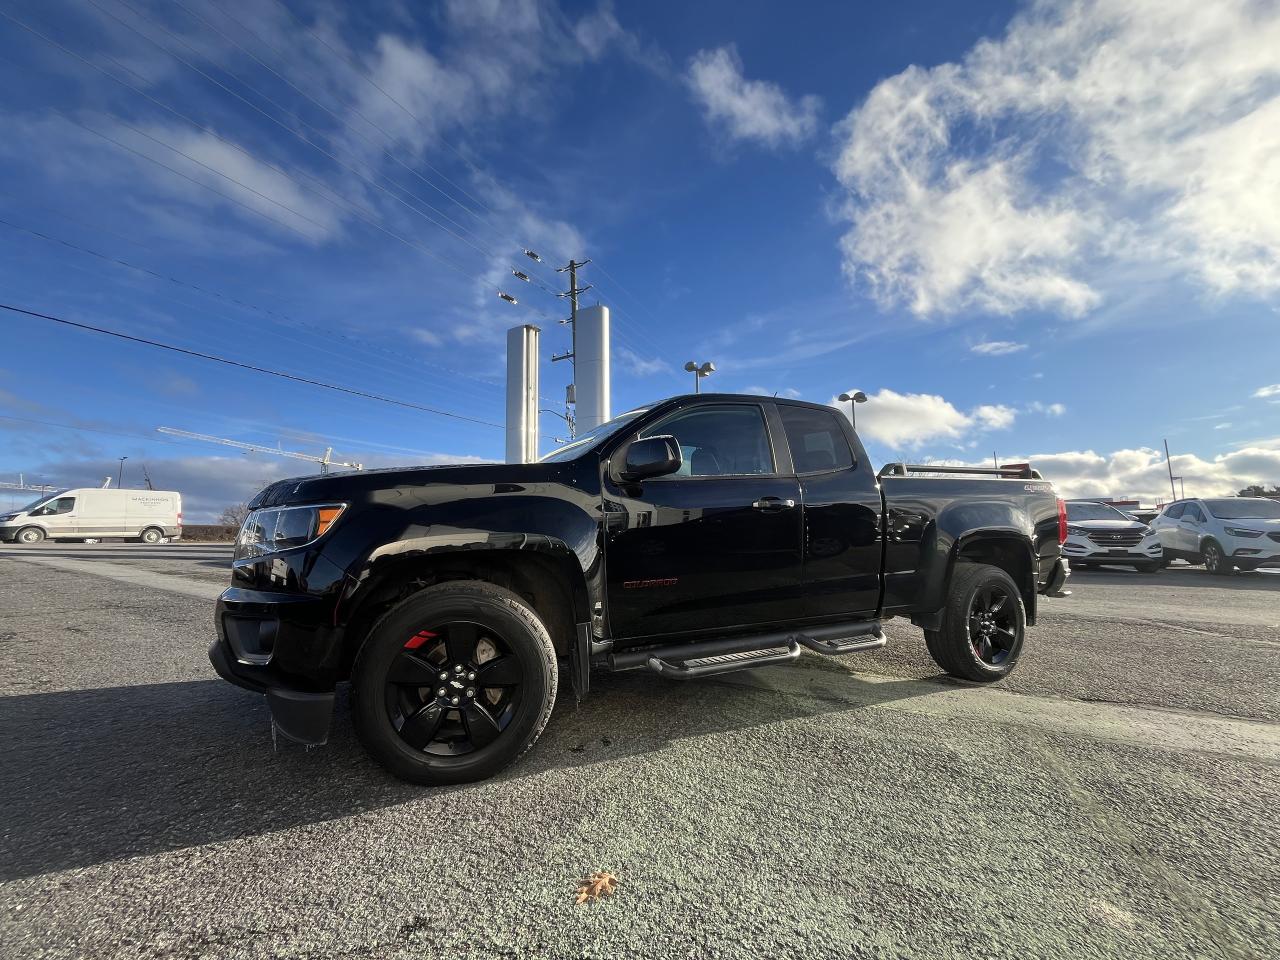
(1013, 235)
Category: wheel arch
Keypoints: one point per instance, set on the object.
(550, 579)
(1010, 551)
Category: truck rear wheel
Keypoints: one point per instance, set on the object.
(152, 535)
(454, 683)
(983, 625)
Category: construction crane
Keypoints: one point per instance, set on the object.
(23, 485)
(325, 461)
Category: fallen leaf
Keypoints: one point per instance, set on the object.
(600, 884)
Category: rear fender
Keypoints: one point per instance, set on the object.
(987, 528)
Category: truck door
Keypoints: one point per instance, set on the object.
(714, 546)
(842, 507)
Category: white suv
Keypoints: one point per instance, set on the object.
(1233, 533)
(1099, 534)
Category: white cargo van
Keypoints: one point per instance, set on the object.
(87, 513)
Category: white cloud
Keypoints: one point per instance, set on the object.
(749, 109)
(1091, 137)
(1048, 409)
(997, 348)
(1270, 391)
(1143, 474)
(1222, 426)
(907, 420)
(640, 366)
(994, 416)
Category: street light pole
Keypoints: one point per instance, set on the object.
(853, 399)
(120, 473)
(699, 371)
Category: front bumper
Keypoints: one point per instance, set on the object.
(1082, 548)
(284, 646)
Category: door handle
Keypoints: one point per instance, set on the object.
(772, 503)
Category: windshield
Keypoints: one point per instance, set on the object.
(581, 444)
(1094, 511)
(1245, 508)
(36, 502)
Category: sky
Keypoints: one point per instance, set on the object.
(1045, 231)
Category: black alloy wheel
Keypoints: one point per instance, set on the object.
(454, 683)
(453, 688)
(992, 623)
(983, 624)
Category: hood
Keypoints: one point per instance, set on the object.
(357, 484)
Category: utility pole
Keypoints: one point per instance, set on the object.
(1169, 463)
(572, 296)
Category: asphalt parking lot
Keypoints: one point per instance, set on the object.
(1116, 797)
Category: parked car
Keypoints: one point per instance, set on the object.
(90, 513)
(1228, 534)
(697, 536)
(1098, 533)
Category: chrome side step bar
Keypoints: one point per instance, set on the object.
(705, 658)
(835, 641)
(723, 663)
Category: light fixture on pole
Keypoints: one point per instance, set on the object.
(853, 400)
(699, 371)
(120, 473)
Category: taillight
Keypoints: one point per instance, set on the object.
(1062, 521)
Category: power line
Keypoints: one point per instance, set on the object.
(281, 318)
(299, 136)
(246, 366)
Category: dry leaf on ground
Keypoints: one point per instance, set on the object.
(600, 884)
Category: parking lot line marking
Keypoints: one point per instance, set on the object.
(130, 575)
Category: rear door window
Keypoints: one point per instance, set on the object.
(816, 439)
(1194, 513)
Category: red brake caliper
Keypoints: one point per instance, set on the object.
(418, 639)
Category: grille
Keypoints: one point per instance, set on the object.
(1119, 539)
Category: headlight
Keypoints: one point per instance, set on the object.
(280, 528)
(1242, 532)
(1076, 531)
(1149, 532)
(7, 517)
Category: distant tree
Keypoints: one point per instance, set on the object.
(234, 515)
(1258, 490)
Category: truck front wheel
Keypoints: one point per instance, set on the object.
(983, 625)
(454, 683)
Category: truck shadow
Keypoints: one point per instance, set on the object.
(92, 776)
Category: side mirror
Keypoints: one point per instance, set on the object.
(651, 457)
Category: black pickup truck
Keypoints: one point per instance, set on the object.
(696, 536)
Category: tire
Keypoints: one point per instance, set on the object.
(976, 589)
(1215, 561)
(151, 535)
(29, 535)
(470, 732)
